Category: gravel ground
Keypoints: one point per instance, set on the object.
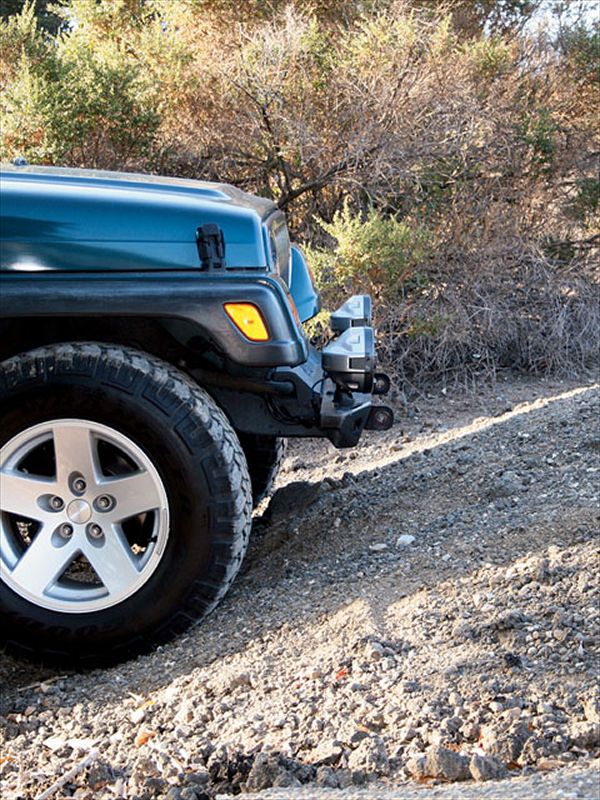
(571, 783)
(414, 615)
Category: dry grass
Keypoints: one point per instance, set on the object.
(530, 318)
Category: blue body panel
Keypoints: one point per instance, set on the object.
(302, 288)
(73, 220)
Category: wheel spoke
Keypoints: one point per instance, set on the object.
(75, 449)
(43, 563)
(19, 494)
(113, 561)
(133, 494)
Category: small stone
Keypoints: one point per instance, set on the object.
(137, 716)
(267, 771)
(503, 740)
(327, 752)
(451, 724)
(513, 713)
(357, 737)
(378, 547)
(470, 731)
(185, 712)
(416, 766)
(240, 681)
(536, 748)
(404, 540)
(512, 660)
(591, 708)
(506, 485)
(327, 778)
(170, 694)
(409, 686)
(406, 734)
(370, 757)
(549, 764)
(344, 778)
(374, 651)
(585, 734)
(462, 630)
(495, 707)
(486, 768)
(440, 762)
(54, 743)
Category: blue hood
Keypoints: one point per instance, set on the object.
(70, 219)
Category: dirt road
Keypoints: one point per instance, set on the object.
(420, 611)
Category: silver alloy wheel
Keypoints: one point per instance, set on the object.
(84, 516)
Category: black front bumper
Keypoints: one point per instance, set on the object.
(329, 395)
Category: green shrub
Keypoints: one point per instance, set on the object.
(581, 47)
(537, 132)
(76, 100)
(490, 58)
(373, 253)
(585, 205)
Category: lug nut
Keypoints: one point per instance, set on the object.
(95, 531)
(56, 503)
(104, 502)
(66, 531)
(79, 485)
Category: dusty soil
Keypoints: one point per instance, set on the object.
(421, 610)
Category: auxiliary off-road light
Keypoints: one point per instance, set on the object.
(350, 359)
(354, 313)
(248, 320)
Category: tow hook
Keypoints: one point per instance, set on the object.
(381, 383)
(381, 418)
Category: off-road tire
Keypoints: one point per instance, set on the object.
(264, 455)
(198, 456)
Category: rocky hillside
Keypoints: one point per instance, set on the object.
(423, 609)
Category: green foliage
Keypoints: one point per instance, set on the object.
(41, 9)
(21, 36)
(505, 15)
(438, 181)
(499, 17)
(376, 254)
(491, 58)
(538, 132)
(586, 203)
(581, 46)
(429, 327)
(74, 101)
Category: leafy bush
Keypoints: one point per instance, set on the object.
(585, 205)
(73, 100)
(377, 255)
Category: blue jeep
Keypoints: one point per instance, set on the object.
(152, 363)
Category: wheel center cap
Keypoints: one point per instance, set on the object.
(79, 512)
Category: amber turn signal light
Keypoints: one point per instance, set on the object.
(248, 320)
